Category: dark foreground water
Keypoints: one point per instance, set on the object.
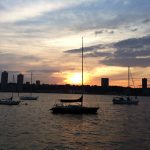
(34, 127)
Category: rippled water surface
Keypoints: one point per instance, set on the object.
(32, 126)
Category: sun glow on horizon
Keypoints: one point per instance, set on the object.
(76, 78)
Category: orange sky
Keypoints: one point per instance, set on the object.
(44, 37)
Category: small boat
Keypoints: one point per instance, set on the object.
(9, 101)
(77, 108)
(74, 106)
(126, 100)
(29, 97)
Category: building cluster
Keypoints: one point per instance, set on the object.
(20, 81)
(105, 83)
(105, 88)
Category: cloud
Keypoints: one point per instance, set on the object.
(145, 21)
(134, 30)
(124, 62)
(97, 32)
(31, 9)
(22, 12)
(98, 51)
(49, 71)
(30, 58)
(9, 57)
(88, 49)
(98, 54)
(12, 61)
(133, 43)
(130, 52)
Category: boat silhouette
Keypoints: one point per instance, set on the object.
(11, 100)
(29, 97)
(74, 106)
(126, 100)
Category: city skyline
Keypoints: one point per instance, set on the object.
(14, 77)
(44, 37)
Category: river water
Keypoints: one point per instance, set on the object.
(32, 126)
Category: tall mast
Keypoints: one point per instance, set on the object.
(13, 85)
(128, 76)
(82, 71)
(31, 83)
(128, 81)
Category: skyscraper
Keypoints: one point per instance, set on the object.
(144, 83)
(104, 82)
(4, 80)
(20, 78)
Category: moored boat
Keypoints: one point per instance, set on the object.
(74, 106)
(126, 100)
(29, 97)
(9, 101)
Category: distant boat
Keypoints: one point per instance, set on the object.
(74, 106)
(29, 97)
(10, 100)
(126, 100)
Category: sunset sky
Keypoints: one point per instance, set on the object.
(44, 36)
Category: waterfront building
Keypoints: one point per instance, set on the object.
(38, 82)
(144, 83)
(104, 82)
(27, 83)
(4, 80)
(20, 79)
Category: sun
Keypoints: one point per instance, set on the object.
(76, 78)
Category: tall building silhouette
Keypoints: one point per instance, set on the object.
(104, 82)
(37, 82)
(4, 80)
(20, 78)
(144, 83)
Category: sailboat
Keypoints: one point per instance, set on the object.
(74, 106)
(10, 100)
(126, 100)
(30, 97)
